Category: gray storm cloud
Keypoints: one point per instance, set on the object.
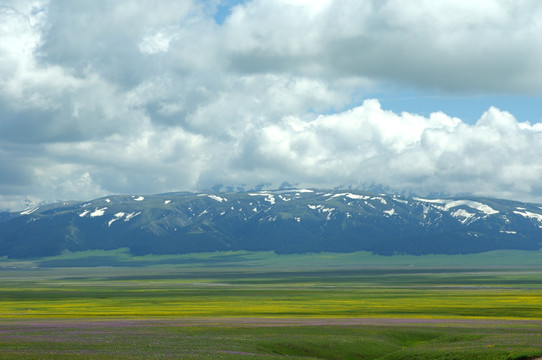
(142, 96)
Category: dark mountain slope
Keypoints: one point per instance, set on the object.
(281, 221)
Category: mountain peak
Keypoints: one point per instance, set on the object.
(283, 220)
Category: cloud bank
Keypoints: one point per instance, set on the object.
(143, 97)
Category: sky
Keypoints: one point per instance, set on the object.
(140, 97)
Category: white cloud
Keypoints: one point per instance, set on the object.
(155, 44)
(497, 156)
(145, 96)
(23, 83)
(447, 45)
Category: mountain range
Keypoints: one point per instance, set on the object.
(284, 221)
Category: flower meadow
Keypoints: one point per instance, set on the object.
(271, 312)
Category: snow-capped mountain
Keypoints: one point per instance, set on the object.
(285, 221)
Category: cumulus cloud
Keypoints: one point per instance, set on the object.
(455, 46)
(142, 96)
(497, 156)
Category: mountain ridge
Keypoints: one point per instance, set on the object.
(284, 221)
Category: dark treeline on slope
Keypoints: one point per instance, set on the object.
(286, 221)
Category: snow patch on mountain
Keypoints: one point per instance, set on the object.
(167, 202)
(322, 209)
(426, 209)
(462, 215)
(389, 212)
(486, 209)
(29, 211)
(130, 216)
(337, 195)
(116, 217)
(329, 212)
(369, 204)
(84, 213)
(139, 198)
(268, 197)
(529, 214)
(509, 232)
(217, 198)
(432, 201)
(349, 195)
(448, 204)
(98, 212)
(357, 197)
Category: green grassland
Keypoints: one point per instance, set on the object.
(109, 304)
(257, 339)
(123, 258)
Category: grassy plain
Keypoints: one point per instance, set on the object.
(267, 306)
